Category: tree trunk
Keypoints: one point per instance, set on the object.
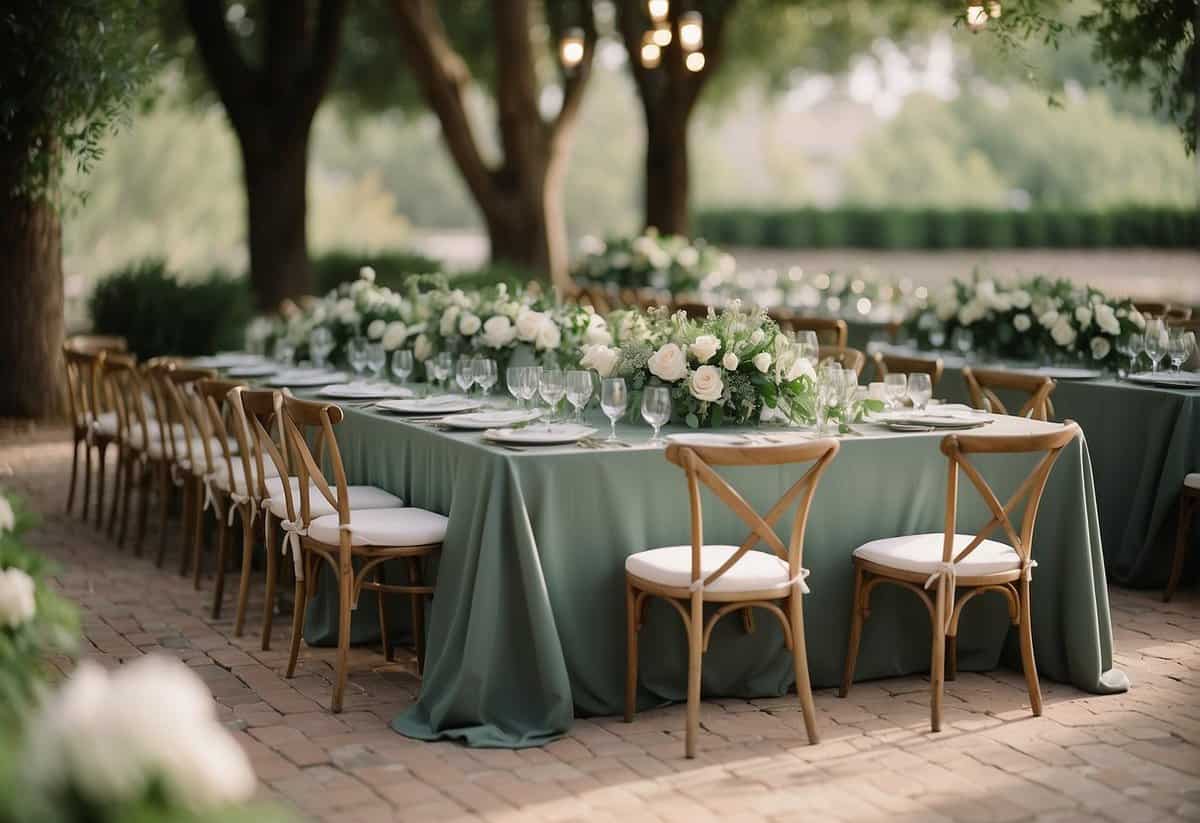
(31, 333)
(526, 224)
(667, 170)
(275, 167)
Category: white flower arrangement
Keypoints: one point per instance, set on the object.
(18, 601)
(652, 260)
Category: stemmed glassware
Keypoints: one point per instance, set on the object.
(920, 389)
(614, 398)
(284, 353)
(531, 377)
(1137, 347)
(443, 365)
(1156, 341)
(1179, 348)
(514, 377)
(486, 375)
(551, 388)
(809, 346)
(962, 340)
(829, 390)
(895, 388)
(579, 391)
(375, 359)
(402, 364)
(656, 409)
(320, 344)
(356, 353)
(464, 374)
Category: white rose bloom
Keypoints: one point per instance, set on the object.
(376, 329)
(1001, 302)
(590, 244)
(597, 332)
(1022, 322)
(1020, 299)
(469, 324)
(706, 384)
(757, 337)
(946, 305)
(528, 323)
(449, 321)
(422, 348)
(367, 273)
(1138, 319)
(8, 520)
(345, 310)
(17, 597)
(1063, 332)
(601, 358)
(395, 335)
(704, 348)
(800, 367)
(1106, 319)
(729, 361)
(548, 336)
(1100, 348)
(668, 363)
(498, 332)
(762, 361)
(985, 289)
(1048, 319)
(1083, 316)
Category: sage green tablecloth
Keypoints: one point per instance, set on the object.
(1144, 441)
(527, 625)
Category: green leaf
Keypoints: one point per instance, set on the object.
(692, 420)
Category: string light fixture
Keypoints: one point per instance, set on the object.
(689, 27)
(691, 31)
(571, 47)
(659, 9)
(978, 14)
(651, 51)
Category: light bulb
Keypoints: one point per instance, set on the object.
(662, 36)
(658, 9)
(571, 48)
(651, 53)
(994, 8)
(691, 31)
(976, 17)
(695, 61)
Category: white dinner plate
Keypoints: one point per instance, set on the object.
(936, 421)
(538, 435)
(304, 377)
(1183, 380)
(439, 404)
(226, 360)
(363, 391)
(474, 421)
(1068, 373)
(254, 370)
(765, 437)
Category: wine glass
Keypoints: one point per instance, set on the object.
(443, 365)
(1178, 348)
(1124, 353)
(579, 391)
(920, 389)
(895, 387)
(486, 375)
(375, 359)
(962, 340)
(809, 345)
(849, 393)
(614, 398)
(514, 376)
(551, 388)
(531, 376)
(356, 353)
(464, 374)
(1137, 347)
(1156, 341)
(320, 344)
(656, 409)
(402, 364)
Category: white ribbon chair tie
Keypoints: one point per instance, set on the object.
(293, 531)
(800, 579)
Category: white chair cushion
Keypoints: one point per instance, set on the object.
(922, 553)
(222, 477)
(361, 497)
(106, 424)
(1192, 480)
(383, 527)
(672, 566)
(137, 440)
(181, 448)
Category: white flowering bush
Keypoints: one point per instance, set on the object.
(1032, 319)
(728, 367)
(650, 259)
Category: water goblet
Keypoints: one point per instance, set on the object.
(514, 376)
(402, 364)
(486, 375)
(320, 344)
(895, 387)
(531, 377)
(444, 366)
(375, 359)
(1156, 341)
(464, 374)
(579, 391)
(614, 398)
(1177, 349)
(809, 345)
(551, 388)
(656, 409)
(356, 353)
(920, 389)
(1137, 347)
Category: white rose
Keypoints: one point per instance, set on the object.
(422, 348)
(668, 363)
(367, 273)
(1137, 318)
(376, 329)
(946, 305)
(395, 335)
(762, 361)
(1048, 319)
(757, 337)
(8, 520)
(528, 323)
(17, 601)
(548, 336)
(449, 321)
(597, 332)
(1083, 316)
(706, 384)
(986, 289)
(729, 361)
(704, 348)
(1063, 332)
(1106, 319)
(688, 256)
(345, 310)
(498, 332)
(468, 324)
(1020, 299)
(1021, 322)
(601, 358)
(801, 367)
(1100, 348)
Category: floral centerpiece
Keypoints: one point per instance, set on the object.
(650, 259)
(732, 367)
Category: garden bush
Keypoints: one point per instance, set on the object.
(391, 268)
(158, 314)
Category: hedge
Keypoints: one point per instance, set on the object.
(868, 228)
(391, 268)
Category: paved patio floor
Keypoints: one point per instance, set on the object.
(1131, 757)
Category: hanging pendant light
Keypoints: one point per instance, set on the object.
(571, 48)
(658, 9)
(695, 61)
(691, 31)
(651, 52)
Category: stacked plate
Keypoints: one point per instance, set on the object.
(304, 377)
(226, 360)
(359, 390)
(435, 405)
(556, 434)
(942, 417)
(253, 370)
(487, 419)
(1166, 379)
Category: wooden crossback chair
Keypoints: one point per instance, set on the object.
(1178, 314)
(963, 564)
(1151, 308)
(371, 536)
(96, 343)
(1189, 507)
(844, 357)
(595, 297)
(982, 385)
(694, 309)
(91, 424)
(831, 331)
(736, 577)
(885, 364)
(118, 384)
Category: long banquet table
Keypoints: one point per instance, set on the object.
(526, 629)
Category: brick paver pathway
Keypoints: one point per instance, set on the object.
(1132, 757)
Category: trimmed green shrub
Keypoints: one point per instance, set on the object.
(511, 274)
(391, 268)
(158, 314)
